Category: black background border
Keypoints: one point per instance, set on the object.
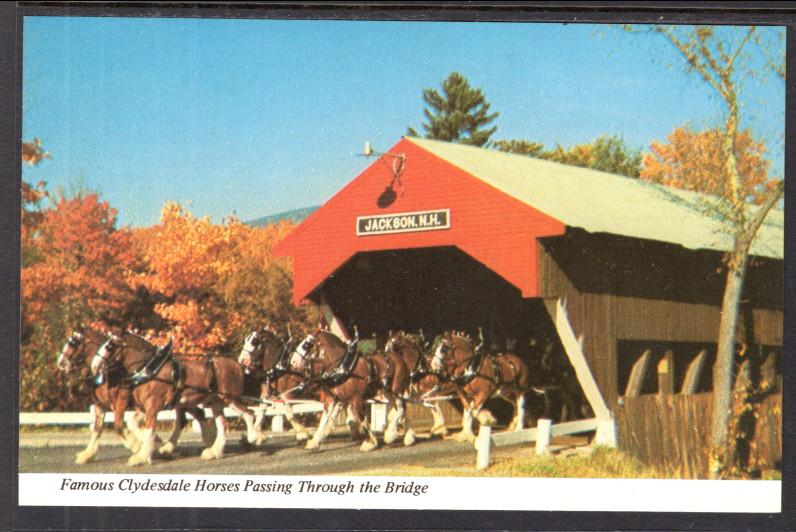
(19, 518)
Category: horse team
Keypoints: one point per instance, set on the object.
(127, 370)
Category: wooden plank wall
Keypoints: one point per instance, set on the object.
(603, 319)
(672, 432)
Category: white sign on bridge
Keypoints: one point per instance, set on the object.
(403, 222)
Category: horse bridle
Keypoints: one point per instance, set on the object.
(107, 353)
(439, 357)
(303, 350)
(256, 343)
(75, 340)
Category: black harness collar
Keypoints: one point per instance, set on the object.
(151, 367)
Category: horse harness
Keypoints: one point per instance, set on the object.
(281, 366)
(420, 369)
(164, 355)
(476, 362)
(343, 370)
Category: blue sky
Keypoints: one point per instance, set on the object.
(252, 117)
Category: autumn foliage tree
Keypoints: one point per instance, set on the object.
(724, 58)
(32, 195)
(205, 284)
(215, 281)
(695, 160)
(76, 276)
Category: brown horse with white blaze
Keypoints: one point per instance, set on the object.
(108, 393)
(479, 377)
(185, 383)
(425, 386)
(346, 377)
(282, 373)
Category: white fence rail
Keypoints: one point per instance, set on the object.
(84, 418)
(542, 434)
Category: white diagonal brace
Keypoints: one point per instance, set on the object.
(578, 360)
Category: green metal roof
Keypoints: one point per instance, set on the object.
(600, 202)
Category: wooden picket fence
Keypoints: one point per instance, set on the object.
(672, 432)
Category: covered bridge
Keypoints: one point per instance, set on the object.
(437, 236)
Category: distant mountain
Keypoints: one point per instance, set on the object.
(296, 216)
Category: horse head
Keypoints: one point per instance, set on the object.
(304, 352)
(441, 353)
(252, 344)
(127, 349)
(411, 348)
(453, 348)
(76, 344)
(109, 351)
(263, 348)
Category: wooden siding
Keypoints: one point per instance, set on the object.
(607, 317)
(672, 432)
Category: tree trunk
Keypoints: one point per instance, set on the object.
(723, 369)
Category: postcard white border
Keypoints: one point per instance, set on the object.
(443, 493)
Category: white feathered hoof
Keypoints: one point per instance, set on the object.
(439, 430)
(211, 454)
(312, 445)
(463, 437)
(84, 457)
(135, 446)
(409, 438)
(302, 436)
(390, 435)
(368, 445)
(138, 460)
(167, 449)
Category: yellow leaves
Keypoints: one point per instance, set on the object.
(695, 160)
(217, 278)
(80, 259)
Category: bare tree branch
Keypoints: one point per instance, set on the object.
(690, 58)
(731, 62)
(771, 199)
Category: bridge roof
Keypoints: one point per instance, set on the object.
(600, 202)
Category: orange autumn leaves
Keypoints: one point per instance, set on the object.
(215, 280)
(204, 284)
(77, 262)
(695, 160)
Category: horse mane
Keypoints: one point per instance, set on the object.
(136, 341)
(91, 334)
(270, 329)
(461, 334)
(330, 334)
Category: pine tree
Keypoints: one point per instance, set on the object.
(606, 153)
(459, 114)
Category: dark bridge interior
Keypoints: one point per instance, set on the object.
(430, 288)
(438, 289)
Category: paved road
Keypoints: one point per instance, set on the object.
(278, 456)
